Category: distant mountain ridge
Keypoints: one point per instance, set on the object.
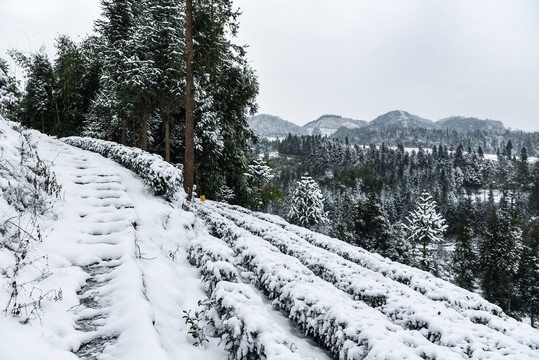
(328, 124)
(462, 124)
(401, 119)
(273, 126)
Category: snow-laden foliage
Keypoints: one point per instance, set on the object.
(246, 333)
(164, 178)
(9, 92)
(259, 174)
(347, 328)
(470, 305)
(234, 310)
(404, 306)
(425, 225)
(307, 203)
(28, 193)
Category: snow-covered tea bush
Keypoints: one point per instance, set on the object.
(405, 307)
(164, 178)
(469, 306)
(348, 329)
(233, 310)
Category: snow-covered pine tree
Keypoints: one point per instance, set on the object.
(307, 204)
(464, 259)
(425, 225)
(116, 27)
(70, 100)
(9, 92)
(162, 28)
(37, 102)
(501, 249)
(528, 272)
(259, 174)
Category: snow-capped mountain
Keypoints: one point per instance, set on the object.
(328, 124)
(464, 124)
(401, 119)
(273, 126)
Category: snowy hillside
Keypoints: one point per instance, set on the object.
(401, 119)
(329, 124)
(464, 124)
(273, 126)
(94, 265)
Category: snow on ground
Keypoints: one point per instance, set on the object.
(113, 269)
(119, 256)
(109, 252)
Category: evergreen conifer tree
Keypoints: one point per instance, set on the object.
(307, 204)
(10, 94)
(425, 225)
(37, 111)
(501, 248)
(259, 174)
(464, 259)
(528, 273)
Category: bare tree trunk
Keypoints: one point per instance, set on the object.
(144, 143)
(43, 123)
(188, 172)
(167, 131)
(123, 136)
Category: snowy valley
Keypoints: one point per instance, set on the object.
(94, 264)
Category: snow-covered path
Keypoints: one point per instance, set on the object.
(110, 250)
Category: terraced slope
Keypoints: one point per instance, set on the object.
(427, 317)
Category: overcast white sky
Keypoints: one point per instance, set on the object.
(357, 58)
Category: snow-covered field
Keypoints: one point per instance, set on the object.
(110, 270)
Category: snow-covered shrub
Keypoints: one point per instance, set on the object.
(404, 306)
(28, 191)
(233, 310)
(471, 305)
(348, 329)
(247, 332)
(164, 178)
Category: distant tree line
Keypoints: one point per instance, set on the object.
(490, 140)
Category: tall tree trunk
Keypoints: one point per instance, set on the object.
(424, 263)
(57, 113)
(134, 133)
(43, 123)
(109, 125)
(144, 142)
(188, 172)
(123, 136)
(167, 131)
